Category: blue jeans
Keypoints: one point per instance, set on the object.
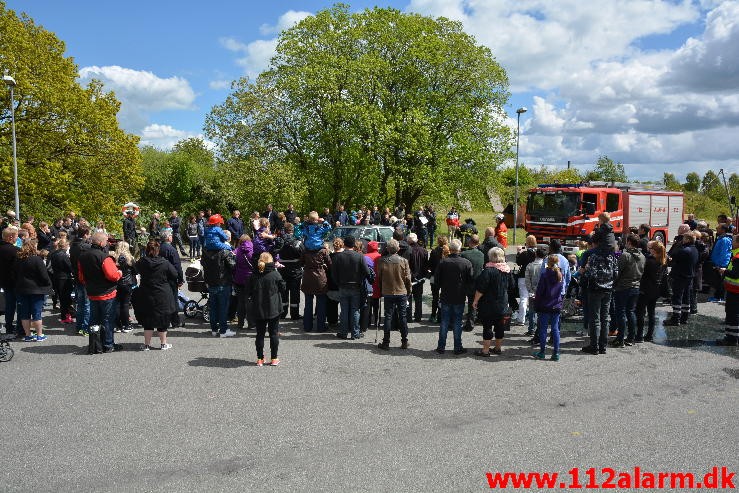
(320, 313)
(30, 306)
(219, 299)
(83, 307)
(102, 313)
(545, 319)
(451, 315)
(11, 303)
(350, 300)
(598, 306)
(194, 246)
(626, 312)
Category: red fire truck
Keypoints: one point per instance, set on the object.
(569, 212)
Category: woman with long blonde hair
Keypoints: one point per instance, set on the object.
(125, 263)
(265, 289)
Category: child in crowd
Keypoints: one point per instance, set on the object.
(533, 273)
(215, 237)
(314, 229)
(548, 302)
(603, 235)
(263, 238)
(264, 289)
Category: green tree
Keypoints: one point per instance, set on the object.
(375, 106)
(607, 170)
(184, 178)
(692, 182)
(72, 154)
(670, 182)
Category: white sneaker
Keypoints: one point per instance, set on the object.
(144, 347)
(164, 347)
(214, 333)
(228, 333)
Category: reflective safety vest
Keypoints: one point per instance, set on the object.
(731, 275)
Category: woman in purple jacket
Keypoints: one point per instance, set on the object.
(242, 272)
(548, 304)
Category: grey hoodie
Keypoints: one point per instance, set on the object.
(630, 269)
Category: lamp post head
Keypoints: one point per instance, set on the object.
(521, 110)
(9, 80)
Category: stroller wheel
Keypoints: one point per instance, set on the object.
(6, 353)
(191, 309)
(206, 313)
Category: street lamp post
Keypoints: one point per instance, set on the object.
(515, 200)
(11, 84)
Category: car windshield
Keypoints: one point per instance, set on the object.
(558, 204)
(359, 233)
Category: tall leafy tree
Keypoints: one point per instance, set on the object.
(375, 106)
(72, 154)
(607, 170)
(670, 182)
(692, 182)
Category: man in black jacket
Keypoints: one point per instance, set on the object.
(452, 275)
(683, 263)
(99, 273)
(174, 222)
(419, 258)
(217, 271)
(290, 254)
(80, 244)
(349, 270)
(129, 230)
(489, 242)
(8, 254)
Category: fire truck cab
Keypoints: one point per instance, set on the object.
(569, 212)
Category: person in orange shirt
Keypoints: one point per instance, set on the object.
(501, 231)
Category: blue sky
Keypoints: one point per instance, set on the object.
(651, 83)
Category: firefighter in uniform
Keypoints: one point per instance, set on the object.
(290, 255)
(731, 283)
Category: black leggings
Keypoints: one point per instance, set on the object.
(64, 290)
(274, 340)
(123, 297)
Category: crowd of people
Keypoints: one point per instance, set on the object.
(255, 272)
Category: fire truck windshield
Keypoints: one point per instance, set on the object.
(556, 204)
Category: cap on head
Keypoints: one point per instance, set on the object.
(499, 217)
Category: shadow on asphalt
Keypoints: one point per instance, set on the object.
(43, 348)
(218, 362)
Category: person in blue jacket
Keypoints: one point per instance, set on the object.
(314, 229)
(215, 237)
(720, 258)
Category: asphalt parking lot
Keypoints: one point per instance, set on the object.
(344, 416)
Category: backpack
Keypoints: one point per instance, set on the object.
(602, 271)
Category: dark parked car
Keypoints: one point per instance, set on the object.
(380, 234)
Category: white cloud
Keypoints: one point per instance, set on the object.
(286, 21)
(141, 92)
(219, 84)
(596, 89)
(712, 62)
(256, 55)
(541, 42)
(166, 136)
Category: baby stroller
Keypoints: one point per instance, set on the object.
(572, 304)
(196, 284)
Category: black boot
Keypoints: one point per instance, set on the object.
(295, 314)
(674, 321)
(684, 318)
